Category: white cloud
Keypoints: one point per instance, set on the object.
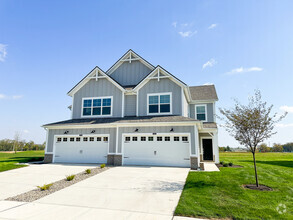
(26, 131)
(208, 84)
(244, 70)
(17, 96)
(280, 125)
(185, 25)
(2, 96)
(187, 33)
(212, 26)
(209, 63)
(3, 52)
(174, 24)
(286, 108)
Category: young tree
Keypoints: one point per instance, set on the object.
(251, 124)
(17, 136)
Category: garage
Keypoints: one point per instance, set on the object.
(156, 150)
(81, 149)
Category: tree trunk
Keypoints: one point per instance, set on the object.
(255, 172)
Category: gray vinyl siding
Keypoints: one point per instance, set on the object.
(158, 130)
(210, 111)
(109, 131)
(130, 105)
(130, 73)
(93, 88)
(155, 86)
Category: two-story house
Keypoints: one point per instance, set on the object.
(136, 114)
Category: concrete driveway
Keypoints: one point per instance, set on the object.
(17, 181)
(118, 193)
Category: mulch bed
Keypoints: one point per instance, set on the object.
(37, 193)
(260, 187)
(235, 166)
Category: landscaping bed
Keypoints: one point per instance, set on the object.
(56, 186)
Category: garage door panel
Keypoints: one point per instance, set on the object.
(160, 153)
(82, 151)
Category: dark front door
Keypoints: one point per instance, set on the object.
(207, 149)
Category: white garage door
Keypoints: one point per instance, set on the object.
(83, 149)
(158, 150)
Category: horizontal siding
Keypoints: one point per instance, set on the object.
(165, 129)
(155, 86)
(130, 105)
(93, 88)
(110, 131)
(130, 73)
(210, 111)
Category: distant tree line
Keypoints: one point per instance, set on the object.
(276, 148)
(20, 145)
(225, 149)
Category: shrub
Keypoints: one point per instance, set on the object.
(70, 177)
(222, 162)
(230, 164)
(103, 165)
(88, 171)
(225, 165)
(45, 187)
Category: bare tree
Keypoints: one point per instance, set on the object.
(17, 136)
(251, 124)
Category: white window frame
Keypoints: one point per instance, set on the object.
(206, 115)
(98, 116)
(159, 94)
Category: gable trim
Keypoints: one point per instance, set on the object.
(89, 76)
(125, 59)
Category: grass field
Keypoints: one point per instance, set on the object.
(221, 195)
(9, 161)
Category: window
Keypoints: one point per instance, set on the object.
(185, 139)
(176, 138)
(97, 106)
(105, 139)
(85, 139)
(134, 138)
(99, 138)
(167, 138)
(59, 139)
(92, 138)
(64, 139)
(127, 138)
(78, 139)
(159, 103)
(151, 138)
(200, 112)
(159, 138)
(143, 138)
(71, 139)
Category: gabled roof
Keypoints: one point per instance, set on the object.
(96, 73)
(129, 56)
(159, 72)
(206, 92)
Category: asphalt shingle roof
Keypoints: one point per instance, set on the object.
(207, 92)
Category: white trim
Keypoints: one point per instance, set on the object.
(123, 106)
(47, 138)
(117, 137)
(137, 103)
(98, 116)
(77, 135)
(159, 94)
(182, 102)
(72, 106)
(201, 145)
(206, 114)
(151, 134)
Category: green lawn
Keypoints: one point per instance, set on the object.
(220, 194)
(9, 161)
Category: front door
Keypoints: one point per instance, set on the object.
(207, 145)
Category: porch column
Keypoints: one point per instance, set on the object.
(216, 147)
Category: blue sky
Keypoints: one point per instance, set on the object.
(47, 47)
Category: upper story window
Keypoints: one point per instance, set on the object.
(201, 112)
(100, 106)
(160, 103)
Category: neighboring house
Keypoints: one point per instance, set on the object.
(136, 114)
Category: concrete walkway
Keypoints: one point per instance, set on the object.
(17, 181)
(118, 193)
